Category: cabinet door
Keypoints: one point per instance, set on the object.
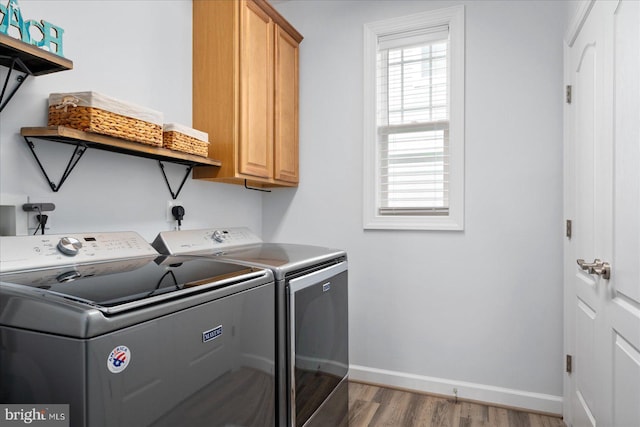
(286, 107)
(256, 93)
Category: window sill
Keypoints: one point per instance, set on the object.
(435, 223)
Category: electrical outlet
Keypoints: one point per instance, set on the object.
(170, 205)
(38, 207)
(35, 224)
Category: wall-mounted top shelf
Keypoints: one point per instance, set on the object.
(83, 140)
(28, 60)
(37, 61)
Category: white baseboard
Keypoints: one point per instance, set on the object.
(501, 396)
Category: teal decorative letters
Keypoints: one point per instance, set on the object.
(11, 16)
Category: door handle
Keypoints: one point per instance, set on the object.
(588, 265)
(598, 267)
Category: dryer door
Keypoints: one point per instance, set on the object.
(318, 340)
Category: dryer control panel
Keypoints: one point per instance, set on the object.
(42, 251)
(204, 241)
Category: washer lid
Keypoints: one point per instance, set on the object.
(117, 286)
(282, 258)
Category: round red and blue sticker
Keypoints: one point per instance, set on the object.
(119, 359)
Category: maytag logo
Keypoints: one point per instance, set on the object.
(39, 415)
(212, 334)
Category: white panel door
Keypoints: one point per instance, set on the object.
(602, 320)
(623, 311)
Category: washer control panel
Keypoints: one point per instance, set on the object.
(203, 241)
(41, 251)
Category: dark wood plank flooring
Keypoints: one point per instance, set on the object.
(371, 405)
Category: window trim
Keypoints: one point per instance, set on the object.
(454, 18)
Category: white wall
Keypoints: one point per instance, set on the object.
(479, 310)
(137, 51)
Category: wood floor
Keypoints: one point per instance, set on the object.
(376, 406)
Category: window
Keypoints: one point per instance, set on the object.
(414, 122)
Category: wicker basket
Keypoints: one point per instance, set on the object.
(93, 112)
(187, 140)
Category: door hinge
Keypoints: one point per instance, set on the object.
(568, 94)
(568, 229)
(569, 364)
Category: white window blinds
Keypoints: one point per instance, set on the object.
(412, 81)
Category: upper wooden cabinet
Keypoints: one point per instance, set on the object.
(245, 91)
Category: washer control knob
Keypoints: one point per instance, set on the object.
(69, 246)
(218, 236)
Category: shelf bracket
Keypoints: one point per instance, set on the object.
(73, 161)
(15, 64)
(186, 175)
